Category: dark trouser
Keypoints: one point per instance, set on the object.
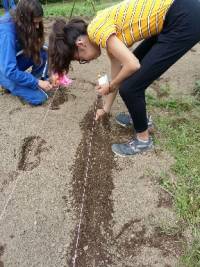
(180, 33)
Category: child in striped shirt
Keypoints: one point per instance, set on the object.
(168, 28)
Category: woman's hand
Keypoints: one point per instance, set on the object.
(103, 89)
(45, 85)
(55, 80)
(100, 114)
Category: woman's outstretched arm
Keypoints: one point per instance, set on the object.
(129, 63)
(115, 69)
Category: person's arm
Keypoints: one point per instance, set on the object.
(110, 98)
(9, 68)
(115, 69)
(130, 64)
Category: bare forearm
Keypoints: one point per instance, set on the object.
(130, 64)
(124, 73)
(110, 98)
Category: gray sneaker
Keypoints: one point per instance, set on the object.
(133, 147)
(125, 120)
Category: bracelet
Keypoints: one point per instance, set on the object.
(111, 90)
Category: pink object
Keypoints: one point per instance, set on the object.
(64, 80)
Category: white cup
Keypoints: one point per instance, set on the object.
(103, 80)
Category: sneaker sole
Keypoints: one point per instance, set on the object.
(124, 125)
(151, 129)
(141, 152)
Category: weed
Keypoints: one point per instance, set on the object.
(192, 256)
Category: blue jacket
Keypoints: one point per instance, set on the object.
(9, 47)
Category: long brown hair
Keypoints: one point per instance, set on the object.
(31, 39)
(62, 43)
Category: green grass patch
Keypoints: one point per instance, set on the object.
(180, 134)
(171, 104)
(178, 121)
(181, 137)
(192, 256)
(82, 8)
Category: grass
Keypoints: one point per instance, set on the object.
(82, 8)
(178, 121)
(192, 257)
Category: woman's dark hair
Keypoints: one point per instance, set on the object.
(31, 39)
(62, 43)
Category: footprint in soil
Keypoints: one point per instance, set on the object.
(14, 110)
(61, 96)
(30, 154)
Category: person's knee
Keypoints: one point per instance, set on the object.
(39, 98)
(33, 97)
(126, 90)
(7, 84)
(131, 92)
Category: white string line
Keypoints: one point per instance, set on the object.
(34, 143)
(84, 188)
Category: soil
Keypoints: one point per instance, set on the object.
(30, 153)
(60, 97)
(124, 207)
(2, 248)
(96, 229)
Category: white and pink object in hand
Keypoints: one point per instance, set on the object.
(64, 80)
(61, 79)
(103, 80)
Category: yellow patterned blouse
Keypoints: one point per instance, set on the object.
(130, 20)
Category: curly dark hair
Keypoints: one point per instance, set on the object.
(31, 38)
(62, 43)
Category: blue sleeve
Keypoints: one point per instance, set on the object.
(8, 64)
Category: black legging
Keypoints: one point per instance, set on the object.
(181, 31)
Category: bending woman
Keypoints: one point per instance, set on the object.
(169, 29)
(21, 47)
